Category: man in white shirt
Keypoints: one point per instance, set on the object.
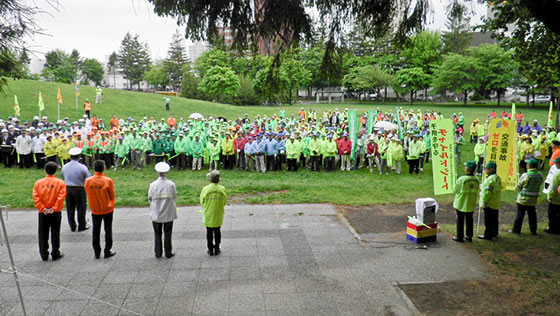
(163, 196)
(23, 149)
(37, 147)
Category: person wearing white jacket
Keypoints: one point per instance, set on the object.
(37, 147)
(163, 197)
(23, 149)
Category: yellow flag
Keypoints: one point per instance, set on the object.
(41, 103)
(16, 106)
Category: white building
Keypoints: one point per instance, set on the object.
(196, 49)
(115, 79)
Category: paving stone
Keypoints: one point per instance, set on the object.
(246, 302)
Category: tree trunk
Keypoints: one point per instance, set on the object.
(498, 92)
(425, 94)
(527, 98)
(465, 93)
(533, 99)
(385, 96)
(557, 105)
(411, 97)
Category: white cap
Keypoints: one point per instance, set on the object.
(75, 151)
(162, 167)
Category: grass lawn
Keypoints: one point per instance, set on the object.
(350, 188)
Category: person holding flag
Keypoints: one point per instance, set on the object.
(41, 104)
(16, 106)
(59, 99)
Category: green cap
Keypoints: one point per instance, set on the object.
(491, 165)
(470, 164)
(533, 163)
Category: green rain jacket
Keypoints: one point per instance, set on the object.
(213, 199)
(529, 188)
(491, 194)
(467, 189)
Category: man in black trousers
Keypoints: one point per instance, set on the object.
(74, 174)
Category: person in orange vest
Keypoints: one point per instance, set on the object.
(87, 107)
(79, 142)
(101, 196)
(172, 121)
(114, 122)
(302, 113)
(49, 194)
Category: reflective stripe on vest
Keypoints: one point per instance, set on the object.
(532, 189)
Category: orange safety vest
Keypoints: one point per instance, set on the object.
(101, 193)
(87, 105)
(79, 143)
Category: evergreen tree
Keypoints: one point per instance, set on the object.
(458, 35)
(112, 65)
(176, 59)
(134, 59)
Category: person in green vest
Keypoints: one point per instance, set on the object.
(414, 149)
(98, 95)
(490, 199)
(197, 148)
(181, 148)
(553, 198)
(397, 154)
(315, 152)
(292, 153)
(213, 199)
(214, 150)
(422, 152)
(145, 150)
(529, 188)
(467, 189)
(383, 146)
(479, 152)
(329, 152)
(158, 148)
(169, 150)
(121, 152)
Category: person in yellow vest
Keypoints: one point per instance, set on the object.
(63, 149)
(414, 149)
(474, 131)
(213, 199)
(490, 199)
(466, 195)
(479, 152)
(529, 188)
(50, 149)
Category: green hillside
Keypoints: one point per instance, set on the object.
(139, 104)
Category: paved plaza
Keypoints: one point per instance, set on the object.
(276, 260)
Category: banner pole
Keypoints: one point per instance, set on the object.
(13, 268)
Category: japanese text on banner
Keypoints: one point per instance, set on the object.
(502, 150)
(443, 156)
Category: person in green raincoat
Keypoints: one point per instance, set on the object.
(467, 189)
(121, 152)
(197, 148)
(158, 148)
(213, 149)
(479, 153)
(213, 199)
(490, 199)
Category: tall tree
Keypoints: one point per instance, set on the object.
(424, 51)
(92, 70)
(134, 59)
(457, 73)
(157, 76)
(410, 80)
(211, 58)
(59, 67)
(112, 66)
(367, 78)
(176, 59)
(220, 81)
(458, 35)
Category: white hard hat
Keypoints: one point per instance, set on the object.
(162, 167)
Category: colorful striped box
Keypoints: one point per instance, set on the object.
(421, 233)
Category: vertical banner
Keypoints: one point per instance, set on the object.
(353, 129)
(502, 150)
(16, 108)
(550, 116)
(370, 121)
(59, 98)
(443, 156)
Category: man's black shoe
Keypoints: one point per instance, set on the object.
(457, 239)
(483, 237)
(60, 255)
(210, 252)
(110, 254)
(171, 255)
(97, 255)
(217, 251)
(83, 228)
(469, 239)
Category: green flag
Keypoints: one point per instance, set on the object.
(41, 103)
(353, 129)
(513, 111)
(16, 106)
(370, 121)
(550, 115)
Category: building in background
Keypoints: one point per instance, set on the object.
(114, 78)
(196, 49)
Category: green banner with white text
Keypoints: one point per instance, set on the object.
(353, 129)
(443, 156)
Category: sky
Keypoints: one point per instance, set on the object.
(96, 28)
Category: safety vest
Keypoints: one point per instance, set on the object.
(533, 186)
(87, 106)
(79, 143)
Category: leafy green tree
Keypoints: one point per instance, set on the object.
(176, 59)
(410, 80)
(134, 59)
(246, 94)
(190, 84)
(92, 70)
(157, 76)
(220, 81)
(367, 78)
(424, 51)
(457, 73)
(59, 67)
(298, 76)
(210, 59)
(498, 68)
